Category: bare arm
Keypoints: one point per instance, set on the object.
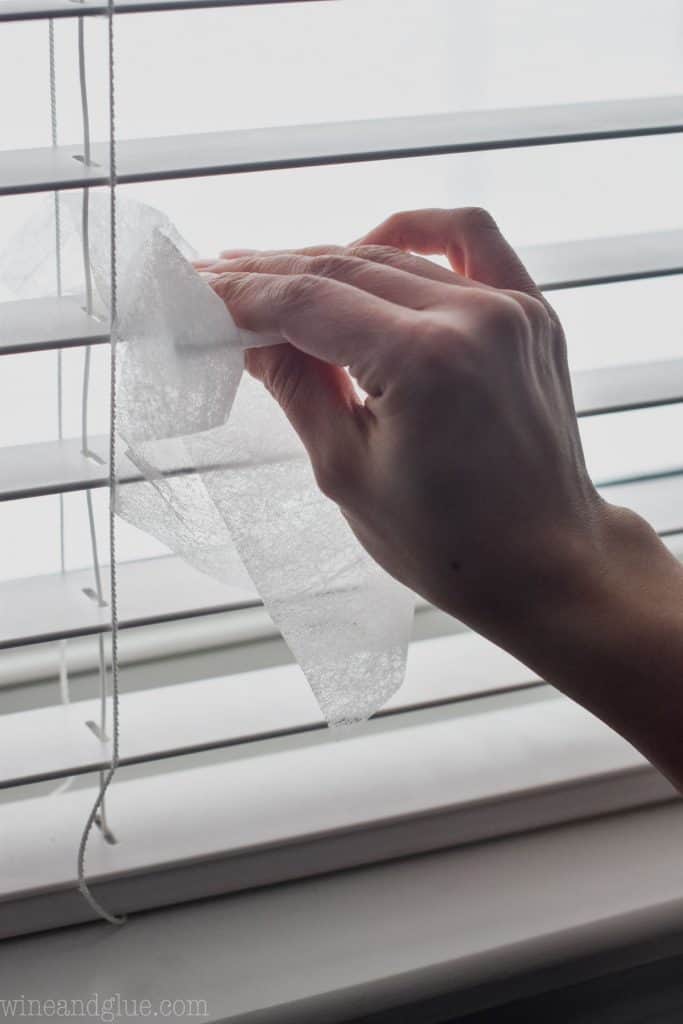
(462, 472)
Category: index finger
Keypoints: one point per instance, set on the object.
(469, 237)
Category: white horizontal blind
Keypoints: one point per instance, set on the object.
(283, 123)
(26, 10)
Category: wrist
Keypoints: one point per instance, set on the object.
(607, 630)
(594, 588)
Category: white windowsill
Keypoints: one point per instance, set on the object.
(352, 942)
(391, 930)
(426, 781)
(469, 921)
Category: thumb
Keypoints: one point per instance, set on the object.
(321, 404)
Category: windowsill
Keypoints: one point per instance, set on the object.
(449, 850)
(387, 789)
(471, 921)
(478, 913)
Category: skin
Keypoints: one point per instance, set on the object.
(462, 471)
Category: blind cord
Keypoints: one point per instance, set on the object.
(85, 232)
(85, 448)
(105, 780)
(53, 136)
(63, 673)
(84, 92)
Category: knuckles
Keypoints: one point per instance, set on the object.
(296, 291)
(376, 253)
(334, 265)
(234, 289)
(393, 227)
(472, 219)
(496, 316)
(463, 218)
(536, 312)
(327, 265)
(451, 345)
(291, 290)
(276, 264)
(432, 357)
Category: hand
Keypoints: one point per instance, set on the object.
(462, 471)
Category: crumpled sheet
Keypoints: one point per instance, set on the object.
(227, 483)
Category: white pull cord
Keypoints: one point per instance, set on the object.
(97, 810)
(63, 674)
(101, 820)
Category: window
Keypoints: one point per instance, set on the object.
(269, 124)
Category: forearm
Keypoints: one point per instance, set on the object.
(610, 636)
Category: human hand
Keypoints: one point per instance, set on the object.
(462, 471)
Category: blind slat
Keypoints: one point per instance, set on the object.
(54, 742)
(30, 10)
(631, 386)
(33, 325)
(57, 467)
(581, 262)
(54, 467)
(278, 827)
(260, 149)
(55, 607)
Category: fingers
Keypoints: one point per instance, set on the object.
(408, 262)
(377, 278)
(307, 250)
(469, 237)
(383, 254)
(320, 402)
(330, 320)
(229, 254)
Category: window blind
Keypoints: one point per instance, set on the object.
(530, 140)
